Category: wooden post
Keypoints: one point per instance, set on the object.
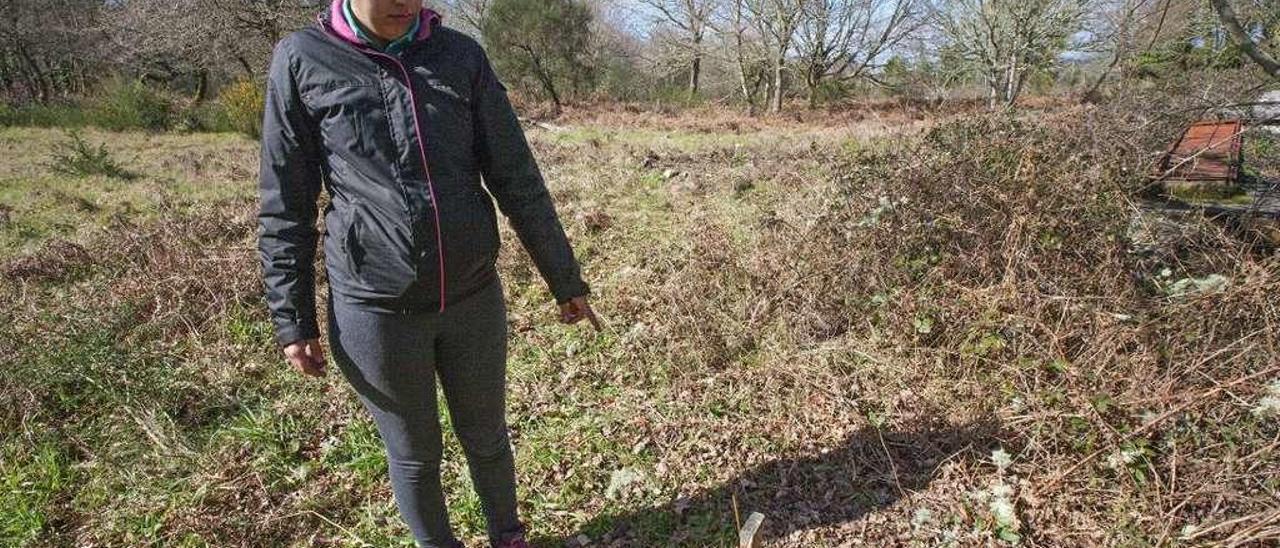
(749, 536)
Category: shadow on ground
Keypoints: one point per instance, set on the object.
(872, 469)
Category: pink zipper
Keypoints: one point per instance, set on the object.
(422, 151)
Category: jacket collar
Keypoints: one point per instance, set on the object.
(333, 21)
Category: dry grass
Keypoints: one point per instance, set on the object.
(931, 338)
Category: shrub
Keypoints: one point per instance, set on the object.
(78, 158)
(67, 114)
(204, 116)
(130, 104)
(675, 96)
(242, 105)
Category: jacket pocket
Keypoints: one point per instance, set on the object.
(470, 237)
(446, 107)
(378, 252)
(351, 244)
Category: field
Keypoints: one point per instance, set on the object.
(876, 327)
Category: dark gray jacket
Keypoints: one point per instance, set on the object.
(401, 144)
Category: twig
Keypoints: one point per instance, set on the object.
(892, 467)
(737, 517)
(1198, 400)
(1265, 519)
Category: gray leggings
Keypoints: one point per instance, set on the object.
(392, 360)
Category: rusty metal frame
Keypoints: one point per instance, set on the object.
(1173, 164)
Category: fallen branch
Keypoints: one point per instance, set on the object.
(544, 125)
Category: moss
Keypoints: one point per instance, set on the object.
(1208, 192)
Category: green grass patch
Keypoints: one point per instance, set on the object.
(32, 479)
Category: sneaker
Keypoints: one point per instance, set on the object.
(513, 540)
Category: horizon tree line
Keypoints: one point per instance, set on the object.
(757, 53)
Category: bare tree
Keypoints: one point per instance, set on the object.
(692, 20)
(1242, 39)
(471, 13)
(777, 22)
(47, 47)
(251, 27)
(1009, 40)
(153, 38)
(842, 39)
(749, 56)
(1116, 27)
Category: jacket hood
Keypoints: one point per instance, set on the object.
(333, 21)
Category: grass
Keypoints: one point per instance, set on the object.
(30, 485)
(171, 171)
(841, 335)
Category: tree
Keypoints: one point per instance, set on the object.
(1116, 26)
(48, 48)
(471, 13)
(692, 19)
(546, 41)
(748, 53)
(1242, 39)
(776, 21)
(1009, 40)
(842, 39)
(153, 38)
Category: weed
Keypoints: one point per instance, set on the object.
(76, 157)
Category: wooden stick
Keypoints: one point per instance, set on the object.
(748, 536)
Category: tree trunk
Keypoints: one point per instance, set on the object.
(775, 100)
(39, 86)
(812, 81)
(28, 81)
(7, 75)
(76, 78)
(748, 92)
(695, 66)
(202, 86)
(544, 77)
(1019, 83)
(244, 64)
(1010, 80)
(695, 73)
(1243, 40)
(50, 75)
(1094, 92)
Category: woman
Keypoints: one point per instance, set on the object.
(403, 117)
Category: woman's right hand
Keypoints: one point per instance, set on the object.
(307, 356)
(577, 309)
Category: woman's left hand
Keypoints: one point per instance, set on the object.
(577, 309)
